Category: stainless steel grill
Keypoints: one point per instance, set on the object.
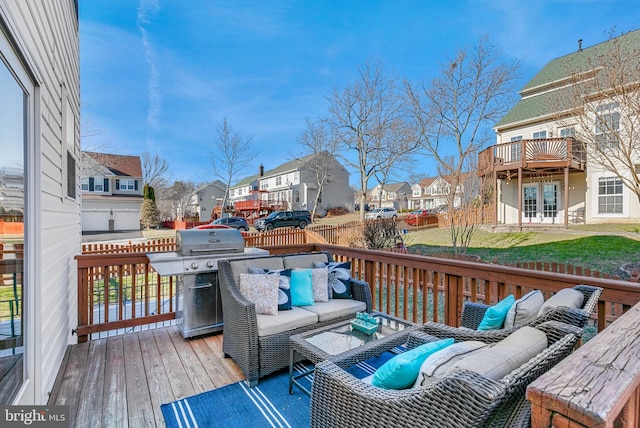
(195, 262)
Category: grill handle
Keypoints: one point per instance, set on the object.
(211, 250)
(207, 285)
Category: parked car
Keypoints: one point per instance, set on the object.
(298, 218)
(382, 213)
(421, 218)
(366, 207)
(236, 222)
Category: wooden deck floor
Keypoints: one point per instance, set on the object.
(122, 381)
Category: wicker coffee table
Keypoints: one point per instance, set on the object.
(345, 346)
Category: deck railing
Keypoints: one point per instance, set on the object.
(520, 153)
(119, 291)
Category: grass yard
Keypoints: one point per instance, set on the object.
(597, 251)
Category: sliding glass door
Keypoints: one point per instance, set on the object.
(13, 143)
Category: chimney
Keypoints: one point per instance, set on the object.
(260, 170)
(579, 45)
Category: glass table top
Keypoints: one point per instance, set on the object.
(344, 338)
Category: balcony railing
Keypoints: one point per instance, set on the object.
(539, 153)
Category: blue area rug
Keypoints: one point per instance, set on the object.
(266, 405)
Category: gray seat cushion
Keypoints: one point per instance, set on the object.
(335, 308)
(304, 261)
(524, 309)
(505, 356)
(284, 321)
(565, 297)
(243, 265)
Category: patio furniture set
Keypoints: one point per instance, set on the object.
(478, 379)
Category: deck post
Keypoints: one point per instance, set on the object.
(566, 196)
(519, 198)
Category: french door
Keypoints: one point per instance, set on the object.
(540, 202)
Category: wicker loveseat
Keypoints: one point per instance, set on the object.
(460, 399)
(472, 314)
(259, 344)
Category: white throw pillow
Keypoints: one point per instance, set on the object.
(436, 365)
(262, 290)
(524, 309)
(565, 297)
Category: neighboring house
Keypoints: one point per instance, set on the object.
(40, 151)
(390, 195)
(432, 193)
(540, 170)
(206, 198)
(292, 186)
(112, 190)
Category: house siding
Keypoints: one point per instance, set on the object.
(46, 37)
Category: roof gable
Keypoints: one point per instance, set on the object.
(127, 166)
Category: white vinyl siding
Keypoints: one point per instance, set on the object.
(46, 36)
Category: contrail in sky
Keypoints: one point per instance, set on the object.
(146, 9)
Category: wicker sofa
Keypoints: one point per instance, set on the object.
(472, 314)
(460, 399)
(259, 344)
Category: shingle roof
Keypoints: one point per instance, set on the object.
(536, 102)
(288, 166)
(118, 164)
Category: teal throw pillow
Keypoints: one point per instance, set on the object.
(495, 315)
(401, 371)
(301, 287)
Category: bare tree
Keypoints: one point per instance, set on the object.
(230, 156)
(601, 109)
(155, 170)
(174, 202)
(453, 114)
(316, 141)
(369, 118)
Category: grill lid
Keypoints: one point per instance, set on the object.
(195, 242)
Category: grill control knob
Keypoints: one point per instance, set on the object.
(194, 265)
(209, 264)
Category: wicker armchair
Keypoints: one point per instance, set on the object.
(472, 314)
(258, 356)
(462, 399)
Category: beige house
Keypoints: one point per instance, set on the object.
(40, 147)
(112, 189)
(541, 168)
(390, 195)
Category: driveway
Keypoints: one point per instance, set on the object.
(133, 236)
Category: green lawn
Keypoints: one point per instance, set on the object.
(593, 249)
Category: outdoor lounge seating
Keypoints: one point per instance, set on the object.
(462, 398)
(473, 313)
(259, 343)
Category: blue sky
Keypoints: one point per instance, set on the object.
(158, 75)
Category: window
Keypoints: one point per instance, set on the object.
(540, 135)
(568, 132)
(517, 138)
(126, 184)
(607, 125)
(279, 181)
(264, 184)
(610, 195)
(85, 184)
(98, 185)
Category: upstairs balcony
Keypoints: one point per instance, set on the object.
(548, 155)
